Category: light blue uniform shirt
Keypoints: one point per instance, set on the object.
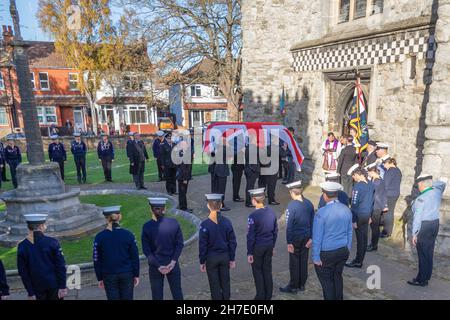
(332, 229)
(426, 206)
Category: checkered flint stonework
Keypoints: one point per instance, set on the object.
(385, 49)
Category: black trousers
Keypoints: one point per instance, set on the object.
(425, 248)
(347, 183)
(61, 167)
(250, 184)
(361, 232)
(80, 164)
(182, 191)
(284, 168)
(262, 272)
(107, 166)
(160, 170)
(330, 273)
(12, 168)
(49, 294)
(375, 227)
(157, 283)
(138, 177)
(238, 171)
(218, 271)
(298, 264)
(280, 168)
(270, 183)
(3, 175)
(119, 286)
(220, 186)
(388, 217)
(171, 181)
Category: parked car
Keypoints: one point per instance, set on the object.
(166, 124)
(18, 135)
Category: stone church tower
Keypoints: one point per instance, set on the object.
(313, 49)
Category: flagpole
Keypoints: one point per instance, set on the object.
(358, 115)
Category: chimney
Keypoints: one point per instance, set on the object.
(7, 34)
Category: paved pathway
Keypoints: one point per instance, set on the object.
(397, 265)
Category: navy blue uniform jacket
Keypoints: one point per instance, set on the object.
(262, 229)
(217, 239)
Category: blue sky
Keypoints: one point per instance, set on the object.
(29, 25)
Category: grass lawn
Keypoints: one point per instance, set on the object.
(120, 170)
(135, 213)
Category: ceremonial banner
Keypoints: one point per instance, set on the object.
(358, 118)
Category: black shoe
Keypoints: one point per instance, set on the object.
(288, 289)
(371, 248)
(302, 288)
(274, 203)
(284, 182)
(144, 188)
(79, 180)
(238, 200)
(225, 208)
(414, 282)
(354, 264)
(384, 235)
(6, 180)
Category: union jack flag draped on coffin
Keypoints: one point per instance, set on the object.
(231, 130)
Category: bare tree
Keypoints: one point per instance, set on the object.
(183, 32)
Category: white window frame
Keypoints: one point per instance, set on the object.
(133, 108)
(42, 112)
(40, 81)
(103, 113)
(133, 83)
(197, 90)
(2, 82)
(33, 80)
(3, 116)
(73, 81)
(219, 115)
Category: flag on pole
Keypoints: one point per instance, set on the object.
(282, 103)
(358, 118)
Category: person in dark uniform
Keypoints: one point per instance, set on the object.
(57, 153)
(156, 148)
(137, 154)
(371, 156)
(347, 158)
(221, 171)
(382, 153)
(142, 150)
(105, 152)
(341, 195)
(40, 262)
(425, 227)
(299, 220)
(290, 161)
(332, 241)
(3, 162)
(4, 288)
(392, 180)
(252, 169)
(283, 161)
(13, 158)
(170, 169)
(79, 150)
(183, 175)
(363, 196)
(217, 249)
(116, 258)
(379, 205)
(269, 181)
(237, 169)
(162, 243)
(261, 239)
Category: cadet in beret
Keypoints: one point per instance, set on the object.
(217, 249)
(40, 262)
(341, 195)
(332, 241)
(13, 158)
(116, 258)
(362, 207)
(57, 153)
(426, 225)
(299, 220)
(79, 150)
(261, 239)
(105, 152)
(4, 288)
(162, 243)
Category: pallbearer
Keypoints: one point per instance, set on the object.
(105, 152)
(40, 262)
(79, 150)
(341, 195)
(116, 258)
(332, 241)
(217, 249)
(13, 158)
(261, 239)
(57, 153)
(299, 220)
(162, 243)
